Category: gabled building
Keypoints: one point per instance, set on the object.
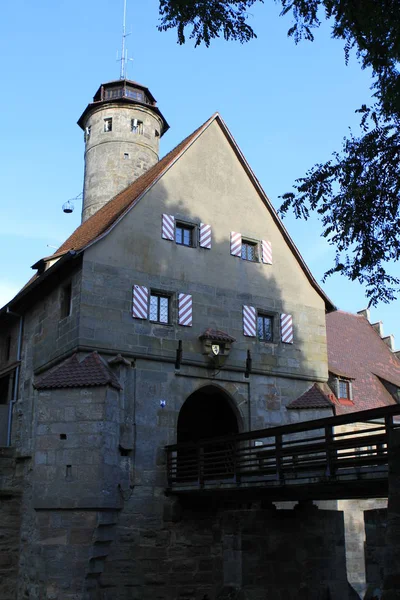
(180, 309)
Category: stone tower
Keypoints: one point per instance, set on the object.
(122, 128)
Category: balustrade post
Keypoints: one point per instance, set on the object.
(169, 468)
(200, 465)
(279, 459)
(330, 452)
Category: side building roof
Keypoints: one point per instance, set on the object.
(357, 352)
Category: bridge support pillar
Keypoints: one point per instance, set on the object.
(391, 586)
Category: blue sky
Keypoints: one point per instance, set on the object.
(288, 107)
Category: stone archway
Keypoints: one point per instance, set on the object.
(206, 413)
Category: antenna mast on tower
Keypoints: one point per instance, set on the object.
(124, 52)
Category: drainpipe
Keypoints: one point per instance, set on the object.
(17, 373)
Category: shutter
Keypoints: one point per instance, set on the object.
(236, 244)
(205, 235)
(140, 302)
(287, 329)
(266, 252)
(249, 321)
(168, 227)
(185, 305)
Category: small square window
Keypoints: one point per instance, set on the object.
(137, 126)
(66, 301)
(108, 124)
(249, 251)
(126, 156)
(184, 234)
(159, 308)
(265, 328)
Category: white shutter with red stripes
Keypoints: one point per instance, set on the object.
(168, 227)
(140, 302)
(266, 252)
(185, 310)
(249, 321)
(236, 243)
(287, 329)
(205, 235)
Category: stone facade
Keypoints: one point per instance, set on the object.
(114, 159)
(96, 521)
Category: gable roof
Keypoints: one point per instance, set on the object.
(314, 397)
(106, 218)
(71, 373)
(356, 351)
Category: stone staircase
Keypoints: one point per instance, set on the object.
(103, 537)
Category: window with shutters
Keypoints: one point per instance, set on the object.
(137, 126)
(159, 311)
(265, 327)
(249, 250)
(184, 234)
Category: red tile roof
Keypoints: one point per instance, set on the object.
(106, 216)
(71, 373)
(356, 350)
(217, 335)
(312, 398)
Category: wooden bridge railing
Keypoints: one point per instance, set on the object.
(344, 448)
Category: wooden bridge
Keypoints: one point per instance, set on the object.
(325, 459)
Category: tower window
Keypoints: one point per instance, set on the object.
(265, 327)
(159, 308)
(184, 234)
(249, 250)
(137, 126)
(126, 155)
(156, 133)
(108, 124)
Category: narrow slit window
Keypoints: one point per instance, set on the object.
(159, 308)
(66, 301)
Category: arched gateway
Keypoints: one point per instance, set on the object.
(206, 414)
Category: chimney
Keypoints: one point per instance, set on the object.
(364, 313)
(378, 328)
(389, 341)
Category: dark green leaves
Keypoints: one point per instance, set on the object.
(208, 19)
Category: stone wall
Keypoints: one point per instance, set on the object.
(10, 523)
(195, 553)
